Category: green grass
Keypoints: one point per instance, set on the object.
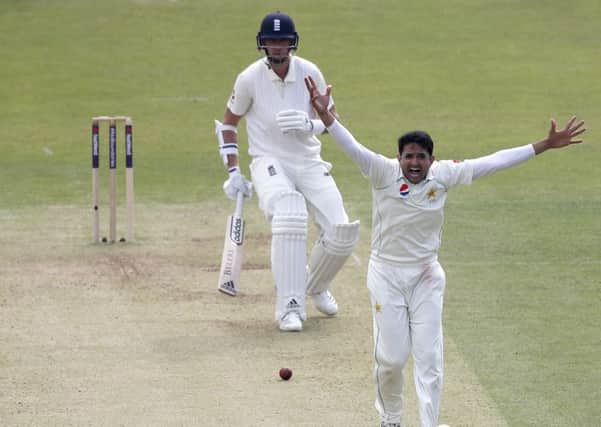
(522, 248)
(522, 301)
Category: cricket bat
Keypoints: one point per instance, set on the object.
(231, 260)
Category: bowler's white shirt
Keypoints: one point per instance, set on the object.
(407, 218)
(259, 94)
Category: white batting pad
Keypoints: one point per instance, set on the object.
(329, 255)
(288, 253)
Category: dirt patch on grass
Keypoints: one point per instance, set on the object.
(136, 333)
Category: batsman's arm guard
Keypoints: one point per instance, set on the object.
(225, 148)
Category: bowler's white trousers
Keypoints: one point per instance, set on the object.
(407, 306)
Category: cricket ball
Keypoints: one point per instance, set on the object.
(285, 374)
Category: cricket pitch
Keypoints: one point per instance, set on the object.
(137, 334)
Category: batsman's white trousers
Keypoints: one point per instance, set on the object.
(407, 306)
(275, 179)
(311, 177)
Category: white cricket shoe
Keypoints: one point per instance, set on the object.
(291, 322)
(326, 303)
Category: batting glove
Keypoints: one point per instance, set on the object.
(235, 183)
(298, 121)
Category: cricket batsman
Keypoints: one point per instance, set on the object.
(289, 176)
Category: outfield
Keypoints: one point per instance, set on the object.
(137, 334)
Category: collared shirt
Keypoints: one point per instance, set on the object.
(259, 94)
(408, 218)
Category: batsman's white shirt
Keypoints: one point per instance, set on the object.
(259, 94)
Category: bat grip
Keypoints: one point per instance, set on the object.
(239, 204)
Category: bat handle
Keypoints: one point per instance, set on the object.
(239, 204)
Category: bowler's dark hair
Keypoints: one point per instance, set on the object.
(418, 137)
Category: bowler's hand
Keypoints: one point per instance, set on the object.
(563, 137)
(237, 183)
(320, 101)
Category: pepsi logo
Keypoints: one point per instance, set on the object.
(404, 190)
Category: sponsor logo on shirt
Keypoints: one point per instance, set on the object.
(404, 190)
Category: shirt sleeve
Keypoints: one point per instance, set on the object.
(241, 98)
(361, 155)
(452, 172)
(501, 160)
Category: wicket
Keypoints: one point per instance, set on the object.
(129, 176)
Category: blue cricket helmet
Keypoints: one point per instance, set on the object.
(277, 26)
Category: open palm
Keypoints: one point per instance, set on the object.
(563, 137)
(319, 101)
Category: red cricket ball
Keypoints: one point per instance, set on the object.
(285, 374)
